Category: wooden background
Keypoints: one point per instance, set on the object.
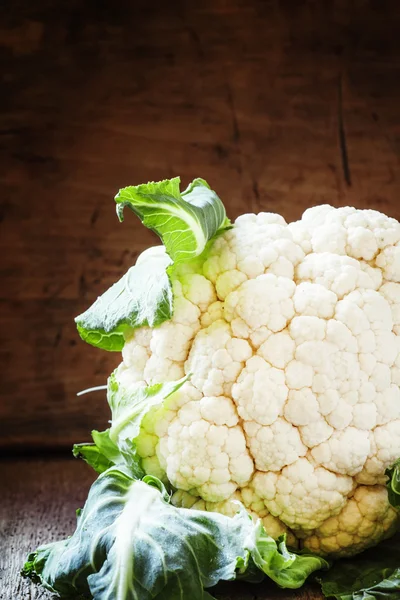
(97, 95)
(279, 105)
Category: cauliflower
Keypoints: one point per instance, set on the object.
(290, 335)
(255, 417)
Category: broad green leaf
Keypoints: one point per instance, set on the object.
(132, 544)
(287, 569)
(143, 296)
(184, 221)
(371, 575)
(393, 484)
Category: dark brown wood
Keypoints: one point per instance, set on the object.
(279, 105)
(38, 504)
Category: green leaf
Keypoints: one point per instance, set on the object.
(131, 458)
(130, 406)
(92, 455)
(101, 454)
(185, 221)
(393, 484)
(374, 574)
(287, 569)
(104, 453)
(143, 296)
(132, 544)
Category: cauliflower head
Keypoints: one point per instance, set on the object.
(291, 336)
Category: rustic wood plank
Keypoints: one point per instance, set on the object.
(38, 503)
(97, 95)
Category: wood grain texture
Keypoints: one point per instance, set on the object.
(279, 105)
(38, 505)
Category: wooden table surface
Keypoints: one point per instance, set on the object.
(279, 105)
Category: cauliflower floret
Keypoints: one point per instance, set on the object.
(263, 303)
(198, 290)
(202, 449)
(366, 519)
(385, 450)
(356, 233)
(314, 300)
(215, 312)
(389, 261)
(391, 293)
(136, 352)
(260, 392)
(263, 244)
(216, 358)
(301, 495)
(278, 350)
(315, 433)
(345, 452)
(302, 407)
(291, 337)
(274, 446)
(228, 507)
(339, 274)
(154, 355)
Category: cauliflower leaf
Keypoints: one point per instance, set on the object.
(143, 296)
(129, 406)
(287, 569)
(117, 445)
(132, 544)
(393, 484)
(185, 222)
(101, 454)
(374, 574)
